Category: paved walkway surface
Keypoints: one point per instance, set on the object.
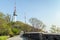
(15, 38)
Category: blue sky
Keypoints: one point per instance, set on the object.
(47, 11)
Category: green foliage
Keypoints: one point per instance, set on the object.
(3, 27)
(22, 26)
(10, 33)
(15, 31)
(3, 37)
(2, 15)
(7, 18)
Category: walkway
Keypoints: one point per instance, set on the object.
(15, 38)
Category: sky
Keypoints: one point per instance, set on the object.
(48, 11)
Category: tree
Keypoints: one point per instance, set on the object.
(2, 15)
(4, 27)
(7, 18)
(54, 29)
(37, 23)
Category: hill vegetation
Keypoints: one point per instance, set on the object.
(8, 27)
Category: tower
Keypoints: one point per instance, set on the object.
(14, 13)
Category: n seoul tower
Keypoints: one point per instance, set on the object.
(14, 13)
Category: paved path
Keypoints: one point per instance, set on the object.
(15, 38)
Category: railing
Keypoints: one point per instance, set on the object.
(41, 36)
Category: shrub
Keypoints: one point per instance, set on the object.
(16, 31)
(10, 33)
(3, 37)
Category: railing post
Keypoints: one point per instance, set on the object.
(40, 36)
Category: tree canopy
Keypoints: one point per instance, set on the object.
(37, 23)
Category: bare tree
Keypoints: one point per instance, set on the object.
(37, 23)
(55, 29)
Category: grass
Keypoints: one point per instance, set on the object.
(3, 37)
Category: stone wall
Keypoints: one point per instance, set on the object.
(40, 36)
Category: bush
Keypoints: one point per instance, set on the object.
(10, 33)
(16, 31)
(3, 37)
(3, 32)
